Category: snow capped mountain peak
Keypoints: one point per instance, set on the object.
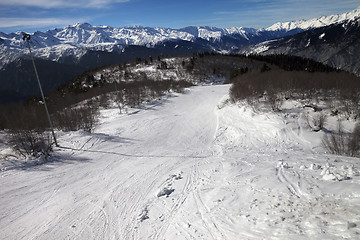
(53, 44)
(76, 39)
(83, 25)
(315, 22)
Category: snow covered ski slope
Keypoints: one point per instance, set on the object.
(189, 167)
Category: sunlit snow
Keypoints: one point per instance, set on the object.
(191, 166)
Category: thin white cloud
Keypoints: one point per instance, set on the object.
(25, 23)
(61, 3)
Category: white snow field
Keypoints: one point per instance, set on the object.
(189, 167)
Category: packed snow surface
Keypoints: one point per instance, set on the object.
(188, 167)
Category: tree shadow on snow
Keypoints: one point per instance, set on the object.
(153, 105)
(109, 138)
(136, 155)
(45, 165)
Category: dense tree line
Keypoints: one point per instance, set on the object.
(335, 86)
(292, 63)
(232, 65)
(337, 91)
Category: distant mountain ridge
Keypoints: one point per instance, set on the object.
(336, 45)
(77, 39)
(315, 22)
(62, 53)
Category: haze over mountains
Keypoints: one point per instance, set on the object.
(62, 53)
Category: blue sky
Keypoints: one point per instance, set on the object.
(33, 15)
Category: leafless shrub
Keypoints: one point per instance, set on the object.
(104, 101)
(241, 90)
(354, 143)
(274, 99)
(119, 99)
(335, 142)
(331, 87)
(341, 143)
(31, 143)
(84, 117)
(319, 120)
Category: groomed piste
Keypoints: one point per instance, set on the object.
(191, 166)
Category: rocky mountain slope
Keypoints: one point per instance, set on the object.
(337, 45)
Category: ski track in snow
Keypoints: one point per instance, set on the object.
(190, 168)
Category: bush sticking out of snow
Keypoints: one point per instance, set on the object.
(83, 117)
(31, 143)
(338, 90)
(354, 143)
(342, 144)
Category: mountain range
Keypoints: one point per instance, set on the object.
(65, 52)
(336, 45)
